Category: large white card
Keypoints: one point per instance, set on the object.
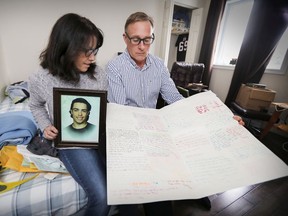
(187, 150)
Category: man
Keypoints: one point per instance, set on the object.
(136, 78)
(80, 129)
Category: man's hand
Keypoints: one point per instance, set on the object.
(50, 132)
(239, 119)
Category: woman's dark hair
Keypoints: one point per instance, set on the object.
(80, 100)
(70, 34)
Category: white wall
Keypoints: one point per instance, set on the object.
(3, 81)
(220, 82)
(25, 27)
(221, 78)
(278, 83)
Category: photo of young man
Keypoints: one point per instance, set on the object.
(80, 129)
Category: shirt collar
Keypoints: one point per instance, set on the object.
(147, 63)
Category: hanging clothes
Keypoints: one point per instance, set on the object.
(181, 44)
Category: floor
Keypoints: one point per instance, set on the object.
(265, 199)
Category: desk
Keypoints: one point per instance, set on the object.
(279, 107)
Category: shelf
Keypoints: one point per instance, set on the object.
(178, 32)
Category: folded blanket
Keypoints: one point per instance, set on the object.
(18, 92)
(17, 127)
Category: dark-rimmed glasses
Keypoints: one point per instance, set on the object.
(137, 40)
(89, 52)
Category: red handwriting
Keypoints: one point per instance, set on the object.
(202, 109)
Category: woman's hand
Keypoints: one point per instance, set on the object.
(239, 119)
(50, 132)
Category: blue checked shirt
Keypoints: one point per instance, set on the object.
(134, 86)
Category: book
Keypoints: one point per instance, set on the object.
(187, 150)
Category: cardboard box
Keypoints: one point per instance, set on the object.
(257, 99)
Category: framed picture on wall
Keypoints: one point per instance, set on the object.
(80, 117)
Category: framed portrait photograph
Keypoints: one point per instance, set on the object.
(80, 117)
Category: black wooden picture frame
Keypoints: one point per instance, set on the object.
(67, 116)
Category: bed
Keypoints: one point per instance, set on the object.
(60, 196)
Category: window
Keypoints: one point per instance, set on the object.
(232, 30)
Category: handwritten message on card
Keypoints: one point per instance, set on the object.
(187, 150)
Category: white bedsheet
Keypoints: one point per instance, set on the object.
(60, 196)
(8, 106)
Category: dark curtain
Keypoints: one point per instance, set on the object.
(216, 10)
(267, 23)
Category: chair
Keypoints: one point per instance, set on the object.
(279, 108)
(184, 73)
(184, 92)
(188, 76)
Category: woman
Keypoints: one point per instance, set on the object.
(69, 62)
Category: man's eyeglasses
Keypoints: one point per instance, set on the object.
(137, 40)
(89, 52)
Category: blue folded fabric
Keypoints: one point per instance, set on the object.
(17, 127)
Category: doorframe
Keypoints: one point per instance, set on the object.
(196, 31)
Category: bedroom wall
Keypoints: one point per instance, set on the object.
(25, 27)
(3, 79)
(221, 78)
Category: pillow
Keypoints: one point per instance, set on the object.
(18, 92)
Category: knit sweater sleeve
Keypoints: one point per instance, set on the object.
(101, 78)
(41, 86)
(37, 83)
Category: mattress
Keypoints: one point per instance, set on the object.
(60, 196)
(40, 196)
